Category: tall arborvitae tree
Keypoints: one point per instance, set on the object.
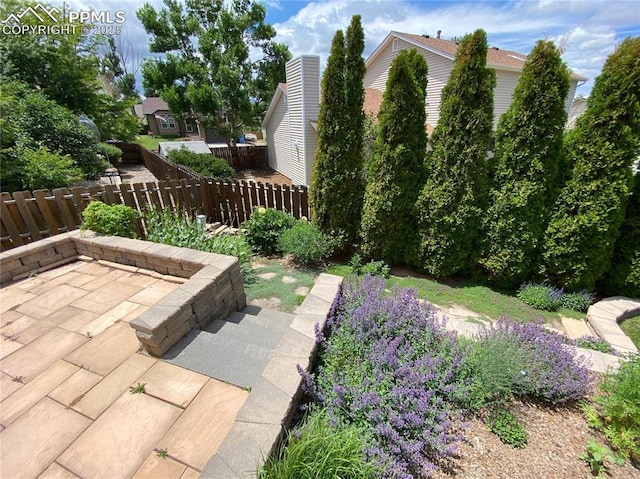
(337, 184)
(453, 200)
(330, 138)
(528, 150)
(586, 221)
(395, 173)
(623, 277)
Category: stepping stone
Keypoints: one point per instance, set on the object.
(269, 303)
(302, 291)
(258, 266)
(575, 328)
(266, 276)
(289, 279)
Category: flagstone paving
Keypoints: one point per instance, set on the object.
(69, 366)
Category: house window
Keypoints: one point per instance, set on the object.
(394, 45)
(167, 122)
(189, 127)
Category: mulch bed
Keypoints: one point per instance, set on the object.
(557, 437)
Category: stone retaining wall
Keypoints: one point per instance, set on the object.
(213, 290)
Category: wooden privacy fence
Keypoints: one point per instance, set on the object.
(27, 217)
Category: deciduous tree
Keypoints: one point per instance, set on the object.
(207, 67)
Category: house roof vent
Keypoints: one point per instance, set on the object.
(438, 34)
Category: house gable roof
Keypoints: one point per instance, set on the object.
(496, 57)
(280, 91)
(153, 104)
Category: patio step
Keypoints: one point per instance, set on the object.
(235, 350)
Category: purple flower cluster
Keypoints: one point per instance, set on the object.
(389, 364)
(551, 371)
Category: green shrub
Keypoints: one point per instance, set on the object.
(623, 278)
(506, 426)
(306, 243)
(264, 228)
(318, 449)
(177, 229)
(579, 301)
(373, 268)
(204, 164)
(118, 220)
(44, 169)
(111, 153)
(540, 296)
(337, 186)
(616, 409)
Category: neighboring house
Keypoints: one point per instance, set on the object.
(578, 107)
(197, 146)
(154, 114)
(289, 126)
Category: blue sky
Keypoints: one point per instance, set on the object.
(590, 29)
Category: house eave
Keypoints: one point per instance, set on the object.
(272, 105)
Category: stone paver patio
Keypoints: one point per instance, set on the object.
(69, 365)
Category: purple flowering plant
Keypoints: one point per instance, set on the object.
(550, 370)
(388, 364)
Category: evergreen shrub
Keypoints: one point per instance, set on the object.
(396, 171)
(118, 220)
(204, 164)
(306, 243)
(264, 228)
(453, 201)
(585, 225)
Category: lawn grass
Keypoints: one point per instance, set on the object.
(151, 142)
(631, 327)
(274, 287)
(472, 295)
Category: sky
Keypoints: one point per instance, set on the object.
(589, 29)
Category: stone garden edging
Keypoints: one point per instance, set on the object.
(604, 317)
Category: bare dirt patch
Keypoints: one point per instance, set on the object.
(557, 437)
